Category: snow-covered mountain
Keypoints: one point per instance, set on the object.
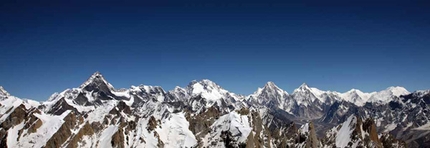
(387, 95)
(203, 114)
(3, 92)
(356, 96)
(272, 96)
(305, 96)
(200, 95)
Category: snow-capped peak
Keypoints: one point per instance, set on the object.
(96, 78)
(305, 95)
(397, 90)
(270, 89)
(3, 92)
(207, 89)
(303, 87)
(270, 86)
(356, 96)
(387, 95)
(208, 84)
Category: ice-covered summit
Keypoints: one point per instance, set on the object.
(387, 95)
(304, 95)
(96, 80)
(268, 92)
(206, 88)
(3, 92)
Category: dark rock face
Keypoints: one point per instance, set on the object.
(60, 107)
(369, 126)
(70, 122)
(97, 83)
(86, 130)
(16, 116)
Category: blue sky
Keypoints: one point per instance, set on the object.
(49, 46)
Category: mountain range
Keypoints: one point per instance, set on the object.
(203, 114)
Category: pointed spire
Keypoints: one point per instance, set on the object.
(3, 91)
(97, 73)
(270, 84)
(304, 86)
(96, 77)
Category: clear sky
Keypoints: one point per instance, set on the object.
(48, 46)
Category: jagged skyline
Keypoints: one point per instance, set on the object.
(355, 96)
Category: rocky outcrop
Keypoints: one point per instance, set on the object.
(312, 141)
(17, 115)
(62, 134)
(152, 124)
(369, 126)
(86, 130)
(60, 107)
(118, 139)
(3, 138)
(200, 123)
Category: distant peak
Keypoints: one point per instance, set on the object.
(395, 87)
(397, 90)
(205, 82)
(178, 88)
(96, 77)
(97, 73)
(270, 84)
(304, 86)
(3, 91)
(354, 90)
(270, 87)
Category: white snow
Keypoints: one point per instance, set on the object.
(106, 136)
(423, 127)
(207, 94)
(50, 125)
(237, 124)
(387, 95)
(98, 114)
(124, 93)
(12, 135)
(175, 132)
(356, 96)
(343, 137)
